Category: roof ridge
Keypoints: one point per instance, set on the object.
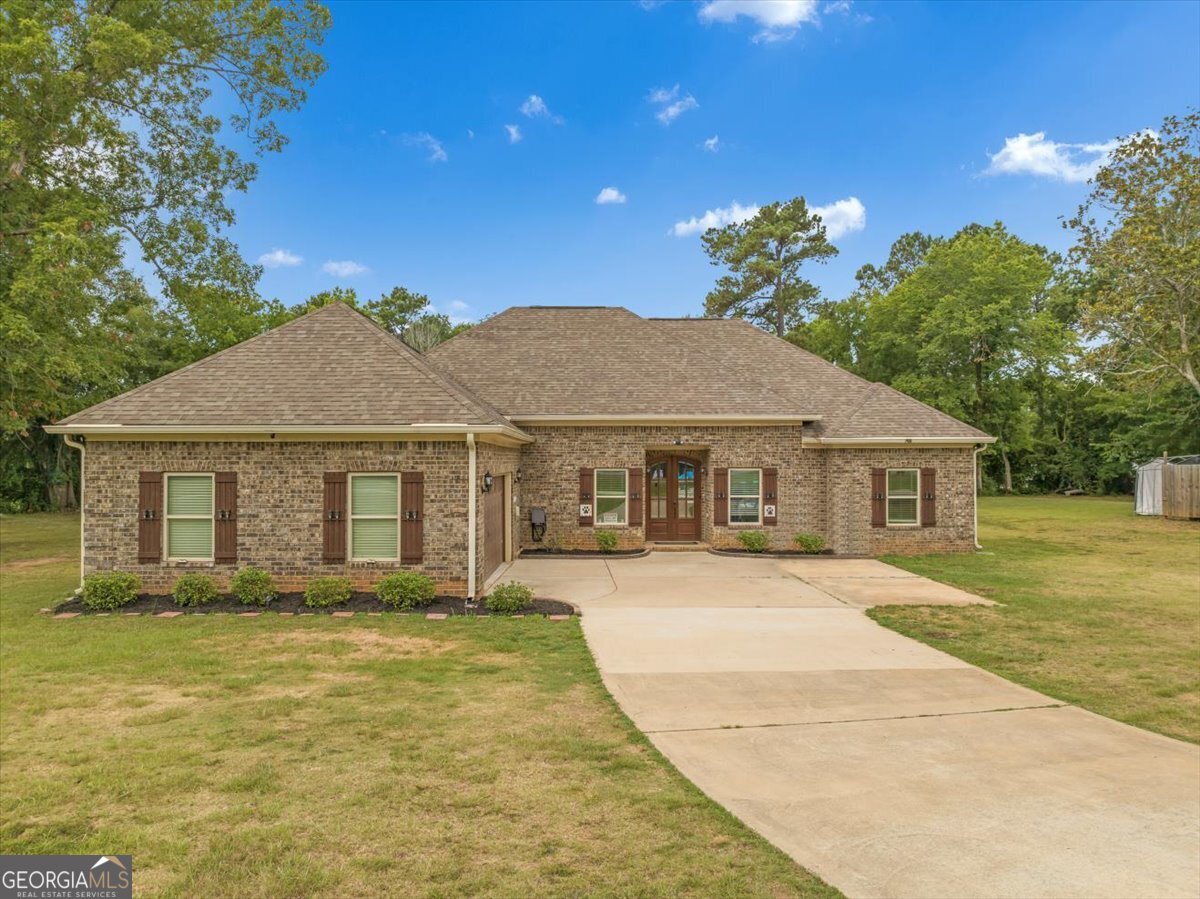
(201, 361)
(463, 396)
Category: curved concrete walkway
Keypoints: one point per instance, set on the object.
(884, 766)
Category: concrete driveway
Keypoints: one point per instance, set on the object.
(884, 766)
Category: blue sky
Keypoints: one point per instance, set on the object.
(895, 116)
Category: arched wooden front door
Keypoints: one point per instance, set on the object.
(672, 498)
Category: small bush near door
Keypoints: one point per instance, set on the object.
(606, 540)
(323, 592)
(406, 590)
(110, 590)
(253, 586)
(508, 598)
(194, 590)
(754, 541)
(809, 543)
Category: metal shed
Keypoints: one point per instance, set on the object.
(1169, 487)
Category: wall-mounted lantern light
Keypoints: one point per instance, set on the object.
(488, 480)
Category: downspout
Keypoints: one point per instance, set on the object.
(82, 484)
(975, 488)
(470, 515)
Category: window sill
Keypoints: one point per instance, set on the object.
(904, 527)
(189, 563)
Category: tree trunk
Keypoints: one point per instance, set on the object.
(1007, 471)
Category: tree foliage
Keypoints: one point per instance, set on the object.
(763, 256)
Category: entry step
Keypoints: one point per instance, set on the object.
(676, 546)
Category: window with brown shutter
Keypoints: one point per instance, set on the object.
(586, 500)
(225, 525)
(770, 488)
(635, 497)
(928, 497)
(333, 525)
(720, 496)
(412, 516)
(150, 505)
(878, 497)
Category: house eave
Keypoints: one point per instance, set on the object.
(419, 430)
(590, 420)
(849, 442)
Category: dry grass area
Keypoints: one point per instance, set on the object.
(358, 757)
(1101, 607)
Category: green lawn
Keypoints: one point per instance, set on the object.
(370, 756)
(1101, 607)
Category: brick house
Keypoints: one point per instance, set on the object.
(328, 446)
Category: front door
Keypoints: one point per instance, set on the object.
(673, 494)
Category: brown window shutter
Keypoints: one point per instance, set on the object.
(928, 497)
(720, 496)
(770, 489)
(333, 525)
(150, 509)
(412, 517)
(878, 497)
(635, 497)
(587, 483)
(225, 525)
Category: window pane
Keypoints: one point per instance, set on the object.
(610, 510)
(903, 482)
(743, 482)
(902, 511)
(743, 511)
(373, 538)
(610, 480)
(373, 494)
(658, 491)
(189, 538)
(189, 495)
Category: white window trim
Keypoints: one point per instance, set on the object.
(887, 499)
(729, 486)
(596, 522)
(167, 516)
(350, 516)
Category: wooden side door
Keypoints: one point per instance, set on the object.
(495, 507)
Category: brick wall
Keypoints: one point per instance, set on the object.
(821, 490)
(280, 505)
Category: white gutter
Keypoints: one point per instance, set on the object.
(975, 490)
(470, 515)
(659, 419)
(262, 431)
(82, 484)
(900, 441)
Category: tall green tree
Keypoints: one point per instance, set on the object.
(405, 313)
(1139, 242)
(115, 173)
(763, 256)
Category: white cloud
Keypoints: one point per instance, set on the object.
(344, 268)
(609, 195)
(1033, 154)
(514, 133)
(457, 311)
(470, 134)
(779, 19)
(671, 105)
(715, 218)
(428, 142)
(842, 217)
(838, 6)
(278, 258)
(713, 144)
(535, 108)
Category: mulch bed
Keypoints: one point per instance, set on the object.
(543, 552)
(148, 604)
(786, 553)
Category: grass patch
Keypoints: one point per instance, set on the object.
(1101, 607)
(370, 756)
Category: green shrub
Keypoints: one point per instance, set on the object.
(754, 541)
(406, 590)
(110, 590)
(253, 586)
(606, 540)
(194, 590)
(508, 598)
(323, 592)
(809, 543)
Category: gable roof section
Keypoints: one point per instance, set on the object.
(538, 362)
(331, 369)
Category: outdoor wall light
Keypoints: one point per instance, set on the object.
(487, 482)
(517, 476)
